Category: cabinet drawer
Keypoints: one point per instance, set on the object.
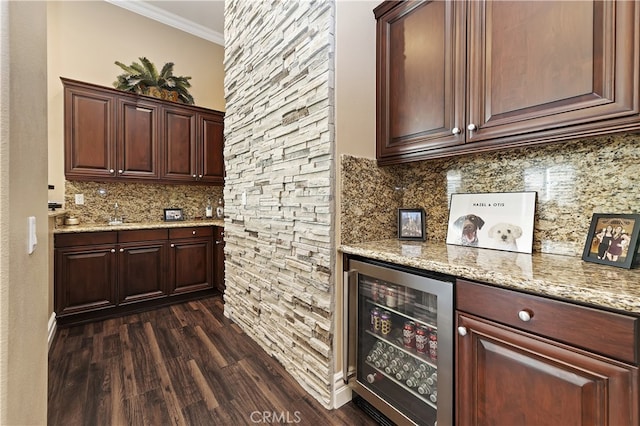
(142, 235)
(607, 333)
(84, 238)
(192, 232)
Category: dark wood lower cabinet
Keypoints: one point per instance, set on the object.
(191, 259)
(142, 272)
(513, 368)
(102, 274)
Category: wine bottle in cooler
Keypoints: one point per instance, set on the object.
(374, 377)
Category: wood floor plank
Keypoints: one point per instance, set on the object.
(213, 350)
(203, 386)
(168, 391)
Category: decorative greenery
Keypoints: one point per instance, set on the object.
(143, 78)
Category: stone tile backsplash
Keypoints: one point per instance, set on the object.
(573, 180)
(137, 202)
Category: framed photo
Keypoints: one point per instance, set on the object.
(613, 240)
(172, 215)
(411, 224)
(495, 220)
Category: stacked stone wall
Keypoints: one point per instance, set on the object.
(279, 159)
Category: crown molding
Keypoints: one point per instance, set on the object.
(170, 19)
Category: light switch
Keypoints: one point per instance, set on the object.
(33, 240)
(244, 198)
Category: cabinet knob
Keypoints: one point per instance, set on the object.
(525, 315)
(462, 331)
(456, 130)
(193, 232)
(173, 245)
(217, 242)
(199, 176)
(472, 127)
(113, 250)
(194, 176)
(120, 171)
(121, 250)
(222, 234)
(112, 171)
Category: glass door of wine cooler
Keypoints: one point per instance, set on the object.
(400, 342)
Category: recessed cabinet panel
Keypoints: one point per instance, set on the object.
(142, 272)
(138, 144)
(89, 135)
(85, 279)
(179, 144)
(417, 78)
(212, 137)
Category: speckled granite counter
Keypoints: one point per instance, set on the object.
(95, 227)
(563, 277)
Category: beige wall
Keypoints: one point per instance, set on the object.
(355, 116)
(23, 176)
(85, 38)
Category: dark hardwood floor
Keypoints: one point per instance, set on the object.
(180, 365)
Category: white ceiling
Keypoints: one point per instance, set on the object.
(202, 18)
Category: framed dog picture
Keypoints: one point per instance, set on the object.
(495, 220)
(411, 224)
(613, 240)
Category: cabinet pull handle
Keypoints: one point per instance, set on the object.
(456, 130)
(113, 250)
(525, 315)
(462, 331)
(472, 127)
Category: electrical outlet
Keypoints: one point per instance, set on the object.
(244, 198)
(79, 199)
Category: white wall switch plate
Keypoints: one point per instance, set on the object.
(244, 198)
(33, 241)
(79, 199)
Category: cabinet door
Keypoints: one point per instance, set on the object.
(210, 159)
(179, 144)
(89, 137)
(137, 153)
(541, 70)
(218, 259)
(191, 265)
(85, 279)
(509, 377)
(420, 86)
(142, 271)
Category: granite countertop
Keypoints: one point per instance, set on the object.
(563, 277)
(95, 227)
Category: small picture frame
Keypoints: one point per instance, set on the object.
(613, 240)
(411, 224)
(173, 215)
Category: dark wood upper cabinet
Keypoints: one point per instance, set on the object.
(462, 77)
(137, 143)
(89, 133)
(179, 144)
(115, 135)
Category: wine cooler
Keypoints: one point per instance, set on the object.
(398, 348)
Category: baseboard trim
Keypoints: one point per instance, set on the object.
(341, 392)
(51, 330)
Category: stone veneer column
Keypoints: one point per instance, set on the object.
(279, 151)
